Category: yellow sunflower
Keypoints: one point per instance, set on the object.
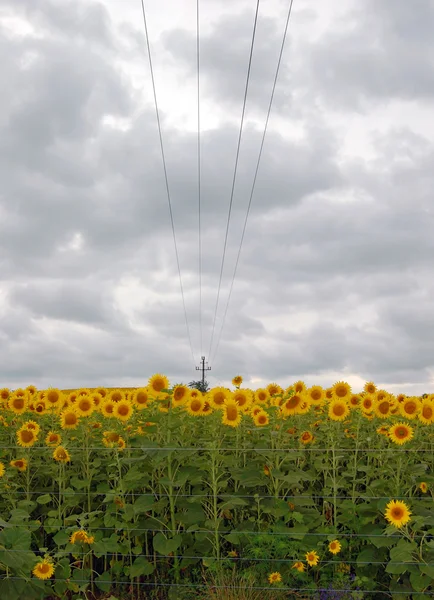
(195, 406)
(96, 399)
(312, 558)
(180, 394)
(338, 410)
(382, 408)
(69, 419)
(84, 406)
(26, 437)
(426, 414)
(299, 566)
(423, 486)
(400, 433)
(43, 569)
(31, 390)
(19, 463)
(123, 410)
(299, 387)
(410, 407)
(207, 408)
(107, 408)
(275, 577)
(116, 395)
(141, 398)
(397, 513)
(316, 395)
(61, 454)
(261, 419)
(231, 414)
(18, 404)
(218, 396)
(53, 439)
(335, 547)
(306, 437)
(101, 391)
(79, 536)
(262, 395)
(341, 390)
(53, 398)
(157, 383)
(33, 426)
(367, 404)
(237, 380)
(243, 398)
(4, 394)
(292, 405)
(274, 389)
(354, 401)
(370, 387)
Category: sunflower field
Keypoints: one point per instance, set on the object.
(166, 492)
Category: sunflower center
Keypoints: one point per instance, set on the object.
(367, 403)
(19, 403)
(196, 405)
(401, 432)
(315, 395)
(341, 391)
(158, 385)
(123, 410)
(339, 410)
(410, 408)
(52, 397)
(241, 399)
(26, 436)
(383, 408)
(397, 513)
(231, 413)
(44, 568)
(219, 398)
(262, 419)
(427, 412)
(70, 419)
(179, 394)
(141, 398)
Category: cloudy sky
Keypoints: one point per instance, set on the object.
(335, 279)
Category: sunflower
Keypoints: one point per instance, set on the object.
(107, 408)
(43, 569)
(180, 394)
(274, 389)
(121, 444)
(261, 419)
(312, 558)
(292, 405)
(4, 394)
(237, 380)
(329, 393)
(400, 433)
(338, 410)
(262, 395)
(383, 430)
(354, 401)
(275, 577)
(218, 396)
(61, 454)
(96, 399)
(69, 419)
(382, 408)
(18, 404)
(72, 397)
(195, 393)
(341, 390)
(26, 437)
(243, 398)
(397, 513)
(316, 395)
(335, 547)
(267, 470)
(256, 409)
(299, 387)
(370, 387)
(195, 406)
(81, 536)
(53, 439)
(157, 383)
(231, 414)
(423, 486)
(140, 398)
(410, 407)
(40, 407)
(367, 404)
(53, 398)
(306, 437)
(123, 410)
(19, 463)
(31, 390)
(32, 425)
(84, 406)
(304, 407)
(207, 408)
(116, 395)
(298, 566)
(382, 395)
(426, 414)
(2, 469)
(110, 438)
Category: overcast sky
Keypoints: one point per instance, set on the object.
(335, 279)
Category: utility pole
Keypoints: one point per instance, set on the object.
(203, 369)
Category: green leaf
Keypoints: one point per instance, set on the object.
(103, 581)
(61, 538)
(143, 504)
(12, 589)
(165, 545)
(15, 539)
(367, 555)
(427, 570)
(141, 566)
(403, 551)
(45, 499)
(420, 581)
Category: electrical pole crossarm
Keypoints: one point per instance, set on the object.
(203, 369)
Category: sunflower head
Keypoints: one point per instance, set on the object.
(84, 406)
(316, 395)
(123, 410)
(338, 410)
(261, 419)
(306, 437)
(298, 566)
(370, 387)
(140, 398)
(237, 380)
(410, 407)
(243, 398)
(69, 419)
(342, 390)
(61, 454)
(157, 383)
(423, 486)
(180, 394)
(400, 433)
(26, 437)
(397, 513)
(312, 558)
(262, 395)
(53, 439)
(107, 408)
(53, 397)
(43, 569)
(231, 414)
(274, 578)
(274, 389)
(426, 413)
(218, 396)
(195, 406)
(18, 403)
(19, 463)
(335, 547)
(4, 394)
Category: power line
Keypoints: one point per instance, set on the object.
(255, 177)
(235, 175)
(199, 172)
(166, 178)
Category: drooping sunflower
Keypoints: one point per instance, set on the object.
(43, 569)
(329, 393)
(33, 426)
(400, 433)
(292, 405)
(370, 387)
(231, 414)
(382, 408)
(382, 395)
(410, 407)
(218, 396)
(341, 390)
(423, 486)
(121, 444)
(19, 463)
(262, 395)
(338, 410)
(312, 558)
(140, 398)
(397, 513)
(275, 577)
(18, 404)
(110, 438)
(69, 419)
(84, 406)
(53, 439)
(40, 407)
(306, 437)
(299, 566)
(157, 383)
(80, 537)
(261, 419)
(61, 454)
(123, 410)
(335, 547)
(195, 406)
(316, 395)
(383, 430)
(237, 380)
(107, 408)
(72, 397)
(207, 408)
(426, 414)
(2, 469)
(243, 398)
(26, 437)
(180, 395)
